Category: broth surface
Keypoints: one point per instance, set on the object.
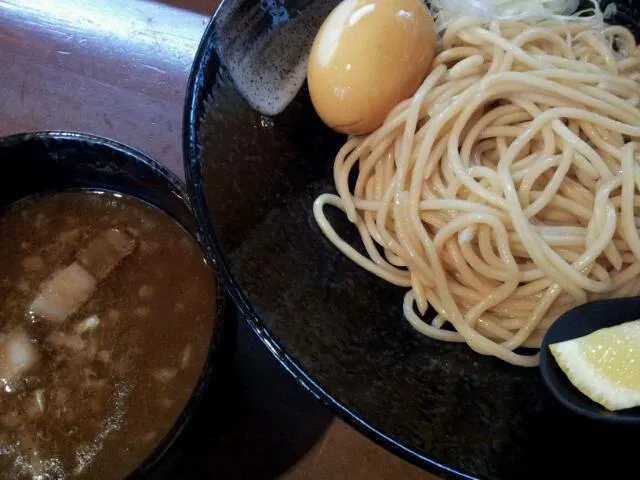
(96, 391)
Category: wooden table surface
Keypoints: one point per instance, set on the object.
(118, 68)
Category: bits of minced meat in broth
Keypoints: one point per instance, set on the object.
(106, 315)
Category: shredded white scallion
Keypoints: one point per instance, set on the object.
(38, 396)
(88, 324)
(445, 11)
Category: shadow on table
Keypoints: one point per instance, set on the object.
(264, 424)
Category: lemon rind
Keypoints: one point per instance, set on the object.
(592, 383)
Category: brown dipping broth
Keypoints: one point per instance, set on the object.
(98, 401)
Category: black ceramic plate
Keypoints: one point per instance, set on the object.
(336, 328)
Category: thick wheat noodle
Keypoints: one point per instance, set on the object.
(505, 191)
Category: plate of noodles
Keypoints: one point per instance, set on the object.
(403, 197)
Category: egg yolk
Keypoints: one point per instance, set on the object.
(367, 57)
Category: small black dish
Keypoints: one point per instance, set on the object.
(578, 322)
(35, 163)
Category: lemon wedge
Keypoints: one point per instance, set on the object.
(604, 365)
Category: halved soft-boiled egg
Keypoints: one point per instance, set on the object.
(368, 56)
